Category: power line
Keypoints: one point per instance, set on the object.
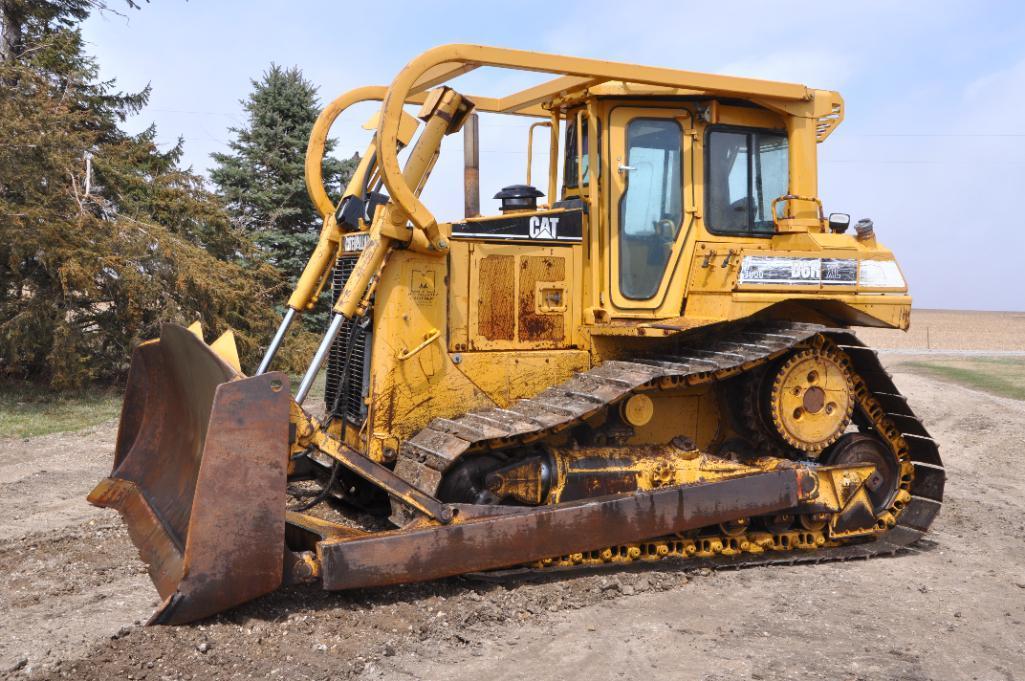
(936, 134)
(914, 162)
(199, 113)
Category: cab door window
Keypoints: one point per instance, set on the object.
(650, 211)
(745, 171)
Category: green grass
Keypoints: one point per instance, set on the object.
(995, 375)
(25, 411)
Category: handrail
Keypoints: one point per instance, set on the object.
(432, 335)
(794, 197)
(530, 145)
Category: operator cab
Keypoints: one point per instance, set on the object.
(679, 171)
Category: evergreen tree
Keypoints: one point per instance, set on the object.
(93, 258)
(52, 14)
(262, 178)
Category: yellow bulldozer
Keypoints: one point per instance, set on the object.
(654, 363)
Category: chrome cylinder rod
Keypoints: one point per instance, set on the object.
(318, 358)
(272, 349)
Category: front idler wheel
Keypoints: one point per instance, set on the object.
(860, 449)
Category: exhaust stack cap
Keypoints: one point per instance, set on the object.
(519, 197)
(864, 229)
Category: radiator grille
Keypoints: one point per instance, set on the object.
(352, 402)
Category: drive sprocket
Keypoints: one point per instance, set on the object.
(811, 399)
(803, 402)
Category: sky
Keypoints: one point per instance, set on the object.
(932, 147)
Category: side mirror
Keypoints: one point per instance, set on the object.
(839, 222)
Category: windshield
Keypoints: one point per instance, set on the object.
(747, 169)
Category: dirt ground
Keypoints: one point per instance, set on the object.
(73, 594)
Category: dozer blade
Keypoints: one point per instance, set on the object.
(199, 476)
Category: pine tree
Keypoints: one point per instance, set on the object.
(85, 275)
(262, 178)
(54, 14)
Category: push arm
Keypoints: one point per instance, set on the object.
(318, 269)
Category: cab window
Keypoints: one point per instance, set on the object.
(745, 170)
(650, 209)
(571, 159)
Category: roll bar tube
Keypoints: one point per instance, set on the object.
(314, 275)
(318, 142)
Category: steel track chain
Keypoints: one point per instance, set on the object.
(734, 348)
(748, 549)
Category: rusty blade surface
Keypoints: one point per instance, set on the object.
(515, 536)
(199, 476)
